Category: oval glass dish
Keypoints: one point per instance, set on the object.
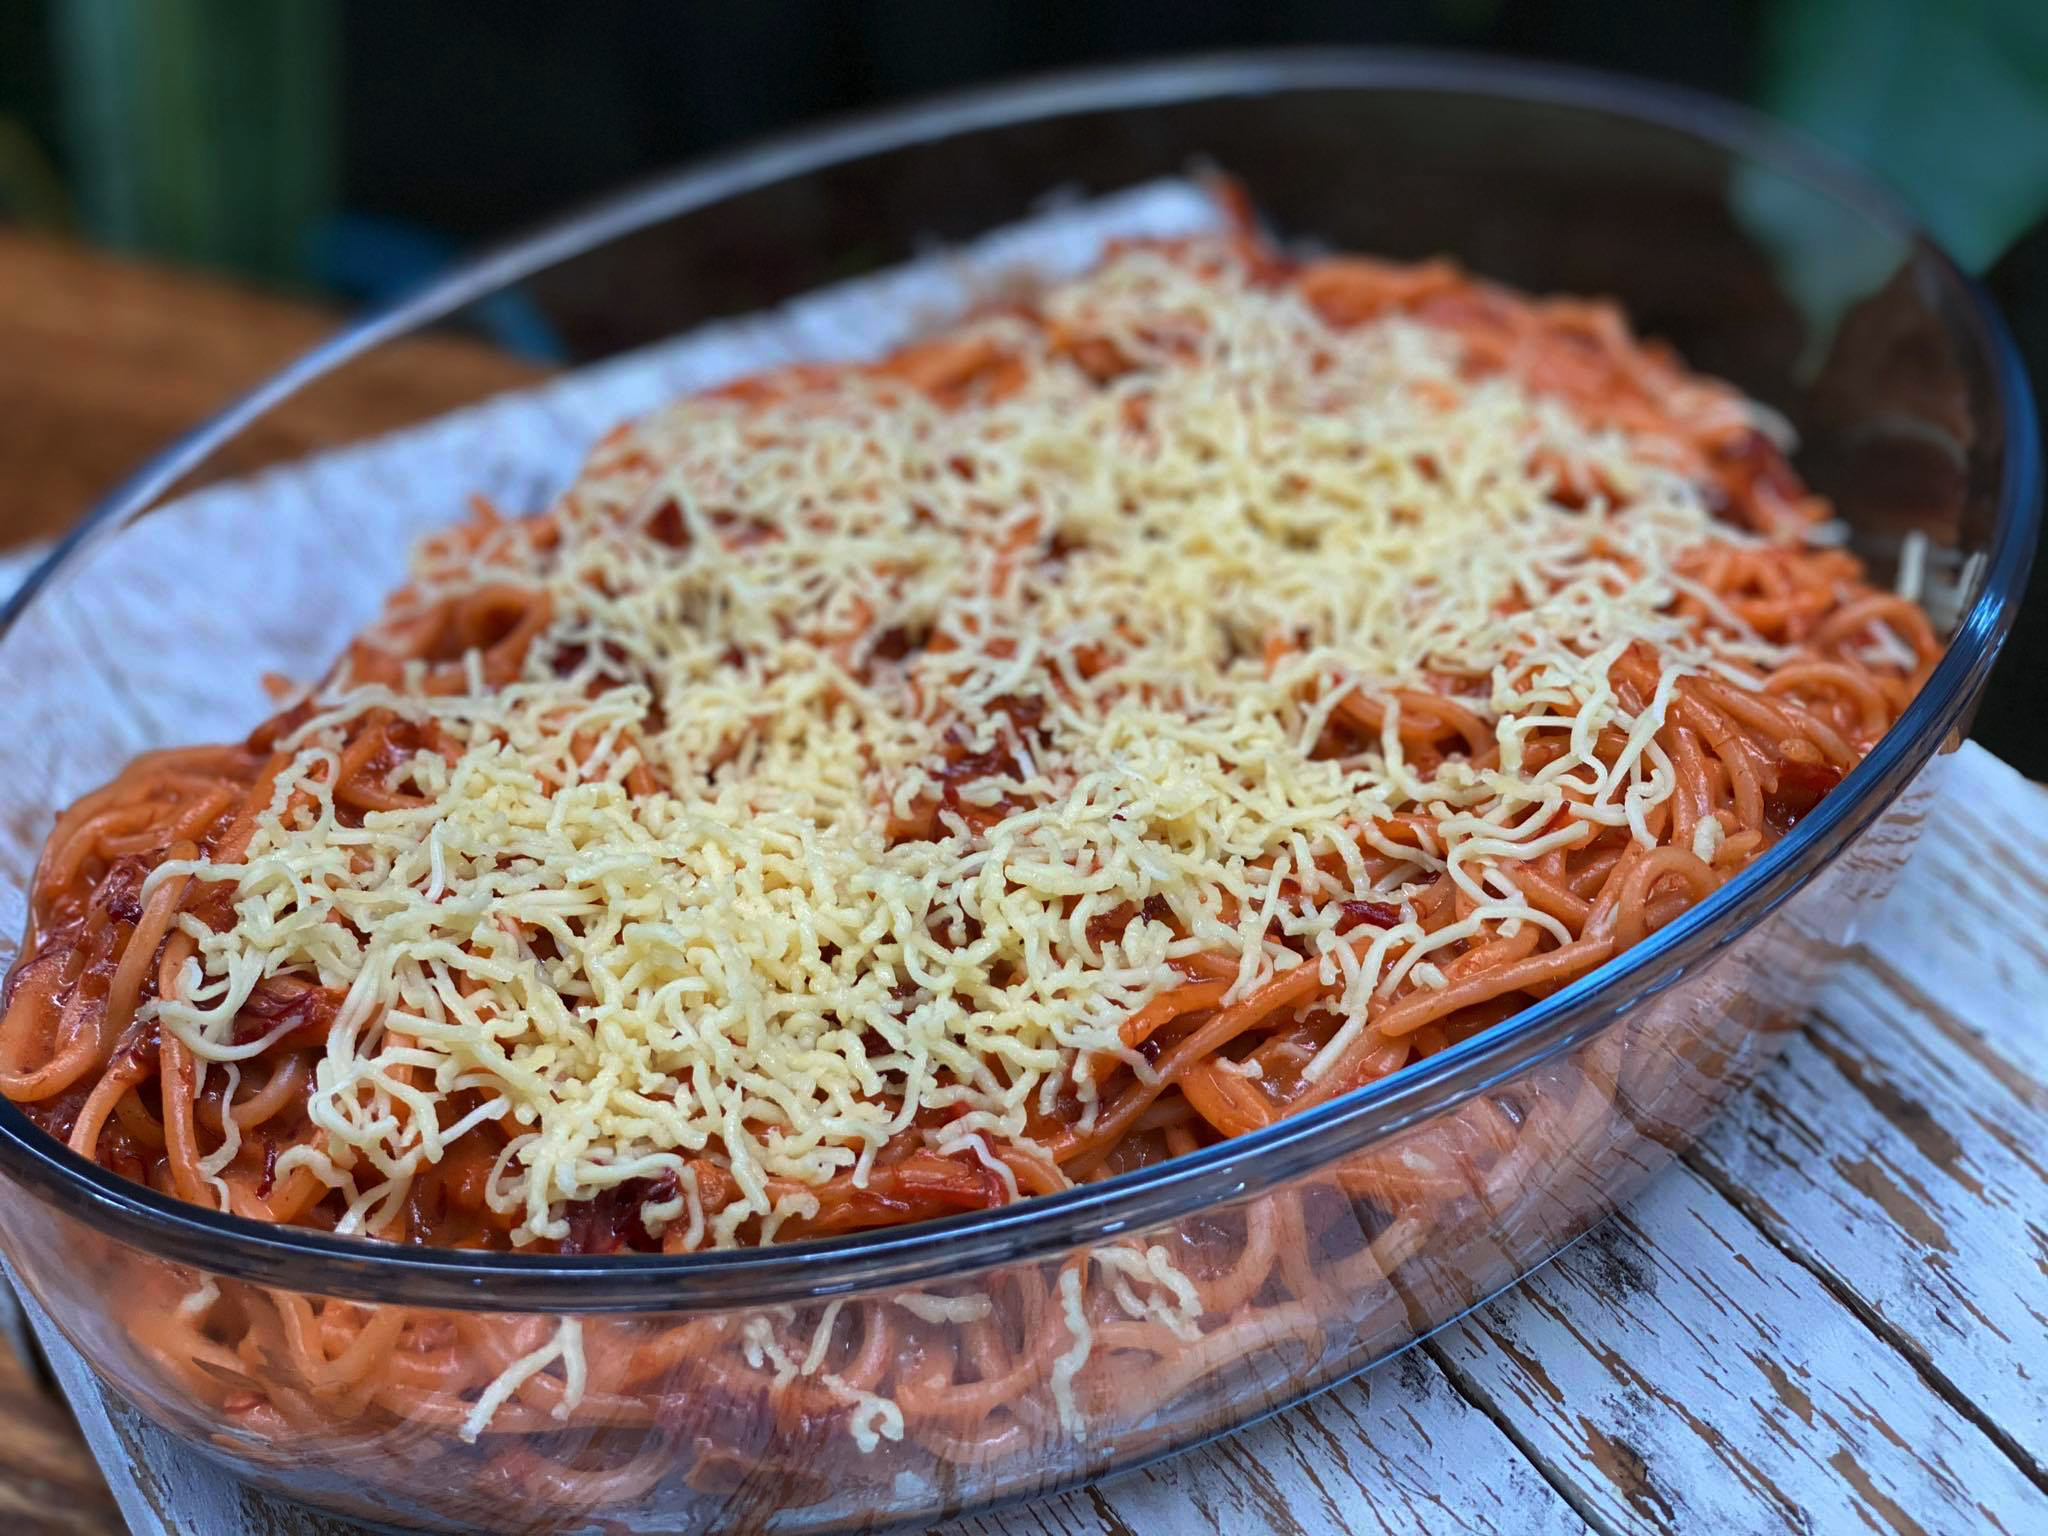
(752, 1389)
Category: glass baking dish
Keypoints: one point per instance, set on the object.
(751, 1389)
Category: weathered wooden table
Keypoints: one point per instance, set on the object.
(1831, 1315)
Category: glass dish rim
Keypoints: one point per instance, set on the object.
(1047, 1226)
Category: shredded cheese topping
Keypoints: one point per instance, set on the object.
(1129, 607)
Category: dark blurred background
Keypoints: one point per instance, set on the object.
(339, 151)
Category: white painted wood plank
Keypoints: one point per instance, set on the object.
(1693, 1378)
(1973, 933)
(1901, 1146)
(1396, 1452)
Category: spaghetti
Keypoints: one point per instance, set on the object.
(873, 794)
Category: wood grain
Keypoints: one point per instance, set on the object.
(1397, 1451)
(105, 362)
(1900, 1150)
(1693, 1378)
(49, 1483)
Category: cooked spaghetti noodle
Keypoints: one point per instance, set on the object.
(872, 794)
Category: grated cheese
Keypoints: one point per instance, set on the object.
(1067, 1364)
(743, 968)
(566, 1346)
(1911, 582)
(1707, 838)
(874, 1418)
(945, 1309)
(1168, 1296)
